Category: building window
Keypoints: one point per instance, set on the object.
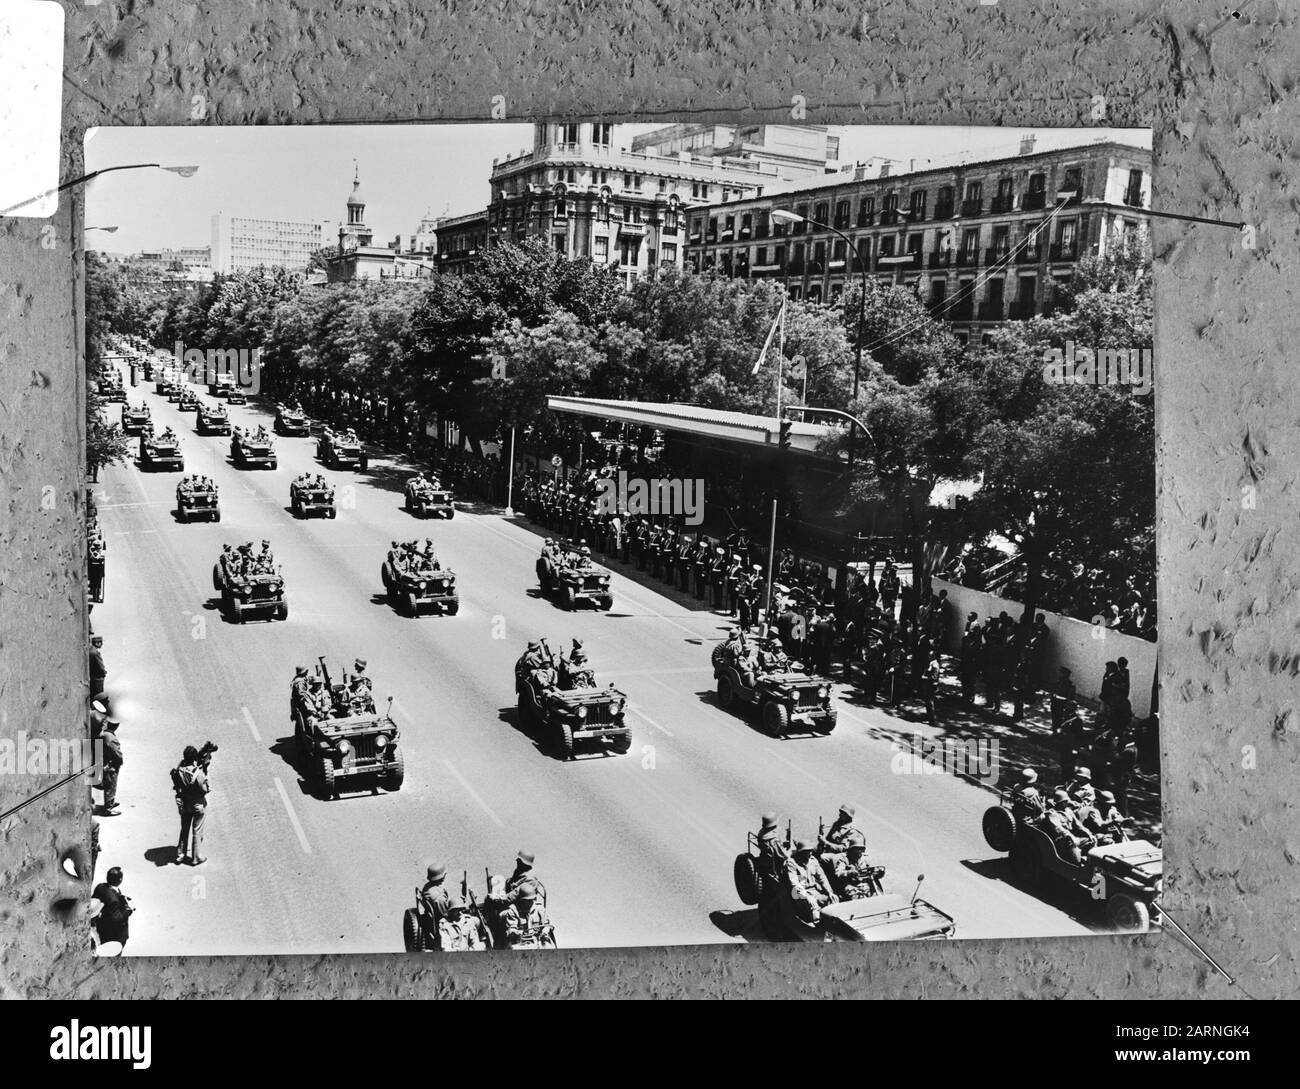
(866, 211)
(713, 229)
(838, 250)
(1073, 184)
(602, 249)
(821, 212)
(842, 213)
(560, 244)
(887, 244)
(970, 241)
(914, 242)
(570, 133)
(601, 134)
(746, 225)
(629, 250)
(729, 227)
(670, 253)
(761, 257)
(1133, 193)
(938, 292)
(795, 292)
(819, 256)
(778, 255)
(918, 205)
(801, 210)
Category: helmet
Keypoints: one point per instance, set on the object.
(359, 664)
(769, 822)
(775, 642)
(534, 645)
(1029, 775)
(455, 903)
(436, 872)
(1106, 796)
(300, 671)
(848, 810)
(1083, 773)
(1060, 797)
(856, 842)
(801, 845)
(586, 551)
(525, 858)
(526, 891)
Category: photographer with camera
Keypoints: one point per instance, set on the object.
(190, 782)
(112, 910)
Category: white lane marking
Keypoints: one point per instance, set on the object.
(662, 729)
(293, 817)
(248, 717)
(473, 794)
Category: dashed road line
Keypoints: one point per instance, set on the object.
(293, 817)
(252, 726)
(473, 794)
(662, 729)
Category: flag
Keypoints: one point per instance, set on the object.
(768, 342)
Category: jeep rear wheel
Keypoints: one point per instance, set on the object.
(326, 778)
(726, 690)
(216, 577)
(1127, 913)
(570, 599)
(749, 882)
(999, 828)
(776, 719)
(412, 934)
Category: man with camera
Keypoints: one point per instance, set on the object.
(112, 910)
(190, 782)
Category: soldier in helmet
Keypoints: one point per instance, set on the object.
(1026, 803)
(810, 888)
(524, 874)
(435, 894)
(835, 840)
(458, 931)
(855, 876)
(1068, 834)
(359, 673)
(298, 690)
(772, 658)
(525, 921)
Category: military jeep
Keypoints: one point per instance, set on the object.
(136, 420)
(339, 450)
(111, 387)
(429, 500)
(194, 503)
(308, 498)
(256, 593)
(785, 701)
(250, 450)
(419, 586)
(349, 744)
(574, 718)
(1126, 876)
(572, 584)
(212, 419)
(160, 452)
(189, 400)
(291, 421)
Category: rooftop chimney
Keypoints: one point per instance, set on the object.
(1027, 144)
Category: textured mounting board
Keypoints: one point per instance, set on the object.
(1217, 93)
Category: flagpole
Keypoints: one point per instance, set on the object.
(780, 355)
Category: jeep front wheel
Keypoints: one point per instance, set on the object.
(395, 773)
(412, 935)
(565, 741)
(1128, 914)
(326, 778)
(776, 719)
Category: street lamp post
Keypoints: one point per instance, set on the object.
(183, 171)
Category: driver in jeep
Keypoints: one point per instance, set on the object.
(855, 876)
(810, 888)
(575, 672)
(772, 659)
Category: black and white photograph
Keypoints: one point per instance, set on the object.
(571, 534)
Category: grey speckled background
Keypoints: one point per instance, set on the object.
(1227, 123)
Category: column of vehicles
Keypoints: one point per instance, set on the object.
(566, 571)
(343, 740)
(828, 891)
(425, 497)
(1078, 838)
(311, 494)
(161, 452)
(253, 448)
(559, 694)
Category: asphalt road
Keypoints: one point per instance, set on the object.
(633, 850)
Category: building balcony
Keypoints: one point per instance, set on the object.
(993, 310)
(1001, 205)
(939, 259)
(1021, 310)
(1029, 255)
(994, 254)
(842, 223)
(1064, 251)
(765, 270)
(837, 265)
(943, 211)
(964, 310)
(866, 219)
(745, 232)
(891, 217)
(968, 258)
(726, 235)
(694, 239)
(1133, 198)
(795, 268)
(1034, 202)
(971, 208)
(938, 307)
(761, 231)
(857, 265)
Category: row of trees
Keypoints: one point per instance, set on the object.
(1063, 469)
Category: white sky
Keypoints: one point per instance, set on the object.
(305, 172)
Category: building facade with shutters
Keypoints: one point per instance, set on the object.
(980, 243)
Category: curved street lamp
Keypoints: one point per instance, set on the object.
(183, 171)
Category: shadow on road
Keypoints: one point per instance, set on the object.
(1056, 893)
(162, 856)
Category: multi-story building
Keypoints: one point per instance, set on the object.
(793, 151)
(244, 242)
(980, 242)
(588, 197)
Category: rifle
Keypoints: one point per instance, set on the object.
(821, 834)
(325, 672)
